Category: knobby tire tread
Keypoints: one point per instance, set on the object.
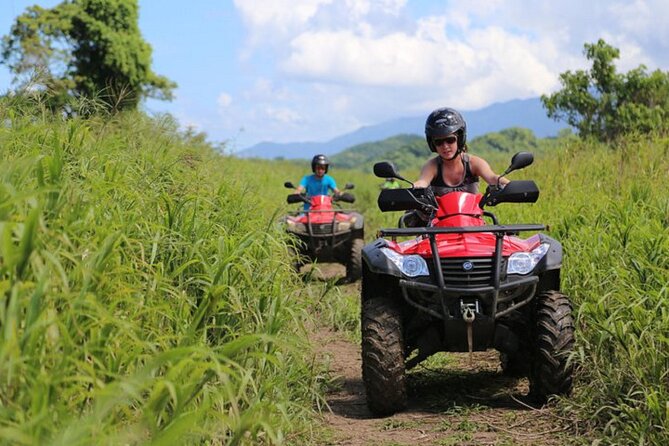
(551, 372)
(383, 369)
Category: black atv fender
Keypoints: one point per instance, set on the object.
(549, 267)
(553, 259)
(376, 261)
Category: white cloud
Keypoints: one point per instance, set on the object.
(360, 62)
(278, 14)
(283, 115)
(361, 8)
(224, 100)
(493, 64)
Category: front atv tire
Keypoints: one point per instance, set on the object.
(514, 365)
(383, 369)
(354, 261)
(551, 373)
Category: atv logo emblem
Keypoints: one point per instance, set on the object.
(468, 266)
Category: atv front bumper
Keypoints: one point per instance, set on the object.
(497, 295)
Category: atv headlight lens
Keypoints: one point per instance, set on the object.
(524, 262)
(411, 265)
(295, 226)
(343, 226)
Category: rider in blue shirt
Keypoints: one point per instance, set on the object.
(319, 183)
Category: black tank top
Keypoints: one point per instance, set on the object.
(470, 182)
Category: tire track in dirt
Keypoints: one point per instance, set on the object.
(455, 402)
(460, 404)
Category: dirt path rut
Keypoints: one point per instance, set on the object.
(460, 403)
(453, 400)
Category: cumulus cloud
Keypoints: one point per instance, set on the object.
(493, 64)
(283, 115)
(278, 15)
(224, 100)
(363, 61)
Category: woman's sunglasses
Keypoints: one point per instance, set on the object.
(448, 140)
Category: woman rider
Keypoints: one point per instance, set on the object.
(453, 169)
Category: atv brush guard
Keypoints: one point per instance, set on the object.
(490, 294)
(322, 221)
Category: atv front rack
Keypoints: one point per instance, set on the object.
(322, 235)
(443, 290)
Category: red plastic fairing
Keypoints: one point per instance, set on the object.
(461, 209)
(318, 214)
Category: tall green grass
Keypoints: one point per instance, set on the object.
(145, 298)
(145, 293)
(609, 206)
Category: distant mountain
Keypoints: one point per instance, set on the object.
(526, 113)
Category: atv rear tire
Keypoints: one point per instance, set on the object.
(551, 373)
(383, 370)
(354, 262)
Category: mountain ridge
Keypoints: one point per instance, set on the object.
(526, 113)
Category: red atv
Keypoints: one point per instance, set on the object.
(462, 285)
(325, 233)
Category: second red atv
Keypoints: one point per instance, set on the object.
(460, 284)
(326, 232)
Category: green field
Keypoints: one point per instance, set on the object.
(147, 295)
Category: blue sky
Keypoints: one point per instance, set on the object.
(310, 70)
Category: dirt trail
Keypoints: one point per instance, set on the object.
(453, 403)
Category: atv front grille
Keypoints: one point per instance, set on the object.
(469, 272)
(321, 228)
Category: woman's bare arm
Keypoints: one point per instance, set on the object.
(481, 168)
(427, 173)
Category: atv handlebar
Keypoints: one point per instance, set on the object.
(345, 197)
(302, 198)
(296, 198)
(506, 229)
(519, 191)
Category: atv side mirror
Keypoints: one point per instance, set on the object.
(288, 185)
(386, 169)
(519, 161)
(349, 186)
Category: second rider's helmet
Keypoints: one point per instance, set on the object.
(443, 122)
(320, 160)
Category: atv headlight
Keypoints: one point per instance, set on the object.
(343, 226)
(524, 262)
(411, 265)
(295, 226)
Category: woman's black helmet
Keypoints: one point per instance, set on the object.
(320, 160)
(443, 122)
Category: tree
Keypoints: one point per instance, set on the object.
(87, 48)
(604, 104)
(509, 140)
